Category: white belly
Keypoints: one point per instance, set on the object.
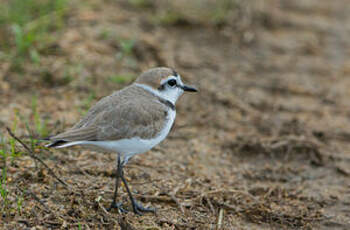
(130, 147)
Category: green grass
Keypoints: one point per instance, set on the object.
(122, 78)
(3, 188)
(126, 52)
(126, 47)
(169, 17)
(7, 150)
(141, 3)
(39, 124)
(27, 26)
(86, 103)
(19, 204)
(8, 154)
(221, 12)
(105, 34)
(12, 142)
(214, 13)
(70, 72)
(3, 178)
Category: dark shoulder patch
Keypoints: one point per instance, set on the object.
(161, 87)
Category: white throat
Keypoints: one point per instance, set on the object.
(169, 95)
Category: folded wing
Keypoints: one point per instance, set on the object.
(116, 121)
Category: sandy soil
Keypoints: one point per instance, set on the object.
(265, 143)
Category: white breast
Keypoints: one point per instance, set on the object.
(132, 146)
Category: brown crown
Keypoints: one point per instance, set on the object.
(153, 77)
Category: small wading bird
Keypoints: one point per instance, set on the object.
(128, 122)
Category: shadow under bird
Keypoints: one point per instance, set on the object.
(128, 122)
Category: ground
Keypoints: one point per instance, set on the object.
(263, 145)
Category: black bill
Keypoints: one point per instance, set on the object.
(188, 88)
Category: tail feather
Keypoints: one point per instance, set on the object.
(56, 144)
(71, 137)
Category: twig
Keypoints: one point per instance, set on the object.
(210, 204)
(124, 225)
(177, 203)
(220, 218)
(227, 191)
(106, 214)
(155, 198)
(170, 199)
(146, 182)
(173, 197)
(176, 225)
(37, 199)
(32, 155)
(227, 207)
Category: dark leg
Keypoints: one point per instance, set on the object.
(138, 208)
(118, 174)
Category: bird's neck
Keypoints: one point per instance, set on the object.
(165, 97)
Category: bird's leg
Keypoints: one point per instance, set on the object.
(138, 208)
(118, 174)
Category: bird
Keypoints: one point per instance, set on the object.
(128, 122)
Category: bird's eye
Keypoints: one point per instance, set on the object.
(172, 82)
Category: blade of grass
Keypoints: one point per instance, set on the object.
(32, 155)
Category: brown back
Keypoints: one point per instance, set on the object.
(120, 115)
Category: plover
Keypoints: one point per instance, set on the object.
(128, 122)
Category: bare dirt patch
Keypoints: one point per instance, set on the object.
(264, 145)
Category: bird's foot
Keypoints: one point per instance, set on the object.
(139, 209)
(118, 206)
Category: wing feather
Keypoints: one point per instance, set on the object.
(118, 116)
(85, 133)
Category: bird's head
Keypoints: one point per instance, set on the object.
(165, 82)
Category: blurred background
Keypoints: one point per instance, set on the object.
(264, 145)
